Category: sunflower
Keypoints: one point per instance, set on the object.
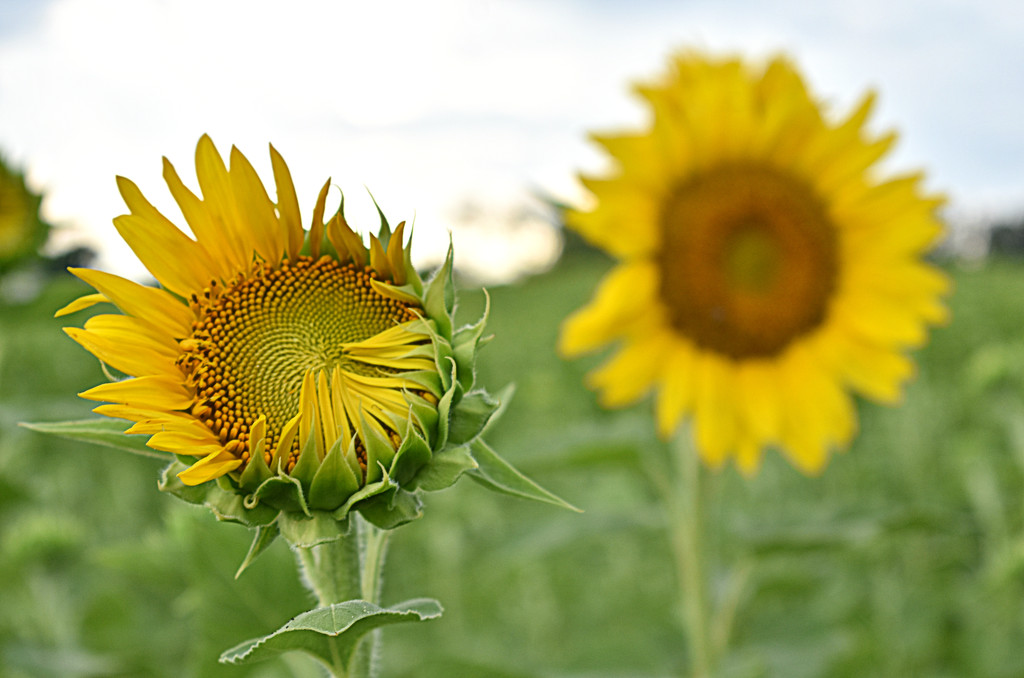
(21, 230)
(765, 273)
(300, 371)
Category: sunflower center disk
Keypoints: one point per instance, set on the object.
(749, 260)
(259, 337)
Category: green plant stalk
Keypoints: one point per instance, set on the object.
(683, 503)
(346, 569)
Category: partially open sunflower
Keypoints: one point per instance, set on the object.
(765, 270)
(293, 371)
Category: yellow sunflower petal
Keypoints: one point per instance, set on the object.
(623, 297)
(254, 206)
(758, 401)
(678, 388)
(625, 225)
(190, 442)
(631, 372)
(214, 465)
(208, 227)
(154, 392)
(179, 263)
(714, 410)
(136, 359)
(316, 228)
(133, 332)
(287, 204)
(152, 305)
(81, 303)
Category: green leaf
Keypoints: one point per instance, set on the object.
(265, 536)
(106, 432)
(331, 633)
(444, 469)
(497, 474)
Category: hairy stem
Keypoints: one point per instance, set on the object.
(346, 569)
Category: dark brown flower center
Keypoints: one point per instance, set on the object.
(748, 261)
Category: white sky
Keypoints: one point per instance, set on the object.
(459, 112)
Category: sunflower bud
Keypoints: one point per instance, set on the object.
(292, 373)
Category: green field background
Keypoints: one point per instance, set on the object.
(904, 559)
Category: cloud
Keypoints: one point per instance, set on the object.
(435, 105)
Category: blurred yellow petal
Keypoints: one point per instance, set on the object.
(619, 301)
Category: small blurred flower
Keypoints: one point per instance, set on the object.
(765, 272)
(306, 372)
(21, 230)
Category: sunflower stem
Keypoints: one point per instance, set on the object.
(346, 569)
(683, 505)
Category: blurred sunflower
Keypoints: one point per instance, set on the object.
(21, 230)
(765, 272)
(303, 371)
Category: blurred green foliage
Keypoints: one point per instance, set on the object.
(906, 558)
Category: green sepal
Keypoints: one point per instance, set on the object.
(256, 472)
(317, 528)
(497, 474)
(352, 459)
(379, 452)
(429, 380)
(412, 455)
(226, 505)
(282, 492)
(470, 416)
(444, 406)
(106, 432)
(439, 297)
(332, 633)
(444, 468)
(444, 357)
(265, 536)
(504, 397)
(307, 464)
(334, 482)
(465, 343)
(424, 414)
(392, 509)
(381, 486)
(384, 233)
(413, 280)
